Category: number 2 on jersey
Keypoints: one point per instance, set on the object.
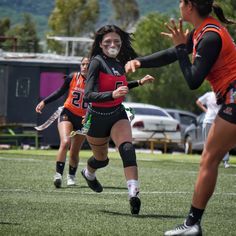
(76, 100)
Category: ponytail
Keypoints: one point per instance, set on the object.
(220, 14)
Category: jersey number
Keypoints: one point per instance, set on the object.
(118, 84)
(76, 100)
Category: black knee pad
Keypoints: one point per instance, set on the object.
(95, 164)
(127, 153)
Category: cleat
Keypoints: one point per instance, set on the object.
(93, 184)
(70, 180)
(226, 164)
(57, 180)
(135, 204)
(194, 230)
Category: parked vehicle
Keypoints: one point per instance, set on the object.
(193, 136)
(154, 123)
(185, 119)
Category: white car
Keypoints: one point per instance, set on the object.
(153, 123)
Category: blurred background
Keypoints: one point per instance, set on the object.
(41, 41)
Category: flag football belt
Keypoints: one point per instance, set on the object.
(85, 128)
(105, 113)
(221, 98)
(50, 120)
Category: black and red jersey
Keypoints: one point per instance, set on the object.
(105, 75)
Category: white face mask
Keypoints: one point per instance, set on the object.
(113, 52)
(111, 44)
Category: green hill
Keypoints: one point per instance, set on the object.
(41, 10)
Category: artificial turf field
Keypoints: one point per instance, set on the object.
(30, 205)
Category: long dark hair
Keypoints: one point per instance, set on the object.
(126, 52)
(204, 8)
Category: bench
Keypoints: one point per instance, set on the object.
(9, 135)
(152, 143)
(165, 140)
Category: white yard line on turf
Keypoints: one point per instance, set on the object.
(104, 192)
(20, 159)
(29, 159)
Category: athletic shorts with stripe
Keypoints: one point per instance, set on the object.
(76, 121)
(103, 119)
(228, 109)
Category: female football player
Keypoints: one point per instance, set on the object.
(106, 87)
(214, 59)
(70, 119)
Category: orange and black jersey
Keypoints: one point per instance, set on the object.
(195, 73)
(223, 72)
(74, 84)
(214, 56)
(105, 74)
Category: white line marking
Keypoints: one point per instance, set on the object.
(110, 167)
(20, 159)
(30, 159)
(104, 192)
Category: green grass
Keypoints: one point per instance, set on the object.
(30, 205)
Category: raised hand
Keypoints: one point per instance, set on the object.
(132, 65)
(40, 107)
(146, 79)
(176, 32)
(120, 92)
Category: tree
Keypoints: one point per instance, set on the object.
(26, 34)
(170, 88)
(5, 24)
(72, 18)
(229, 8)
(126, 12)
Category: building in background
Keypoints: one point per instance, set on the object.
(25, 79)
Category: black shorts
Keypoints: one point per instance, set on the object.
(103, 119)
(67, 115)
(228, 112)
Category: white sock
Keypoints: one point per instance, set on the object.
(89, 175)
(133, 187)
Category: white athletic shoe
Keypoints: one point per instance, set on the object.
(226, 164)
(194, 230)
(70, 180)
(57, 180)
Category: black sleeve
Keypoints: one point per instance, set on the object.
(164, 57)
(58, 93)
(158, 59)
(91, 89)
(133, 84)
(206, 56)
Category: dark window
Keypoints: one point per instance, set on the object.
(172, 114)
(3, 90)
(149, 112)
(23, 87)
(200, 118)
(186, 119)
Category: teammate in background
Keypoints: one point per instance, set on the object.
(214, 59)
(207, 103)
(70, 119)
(106, 87)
